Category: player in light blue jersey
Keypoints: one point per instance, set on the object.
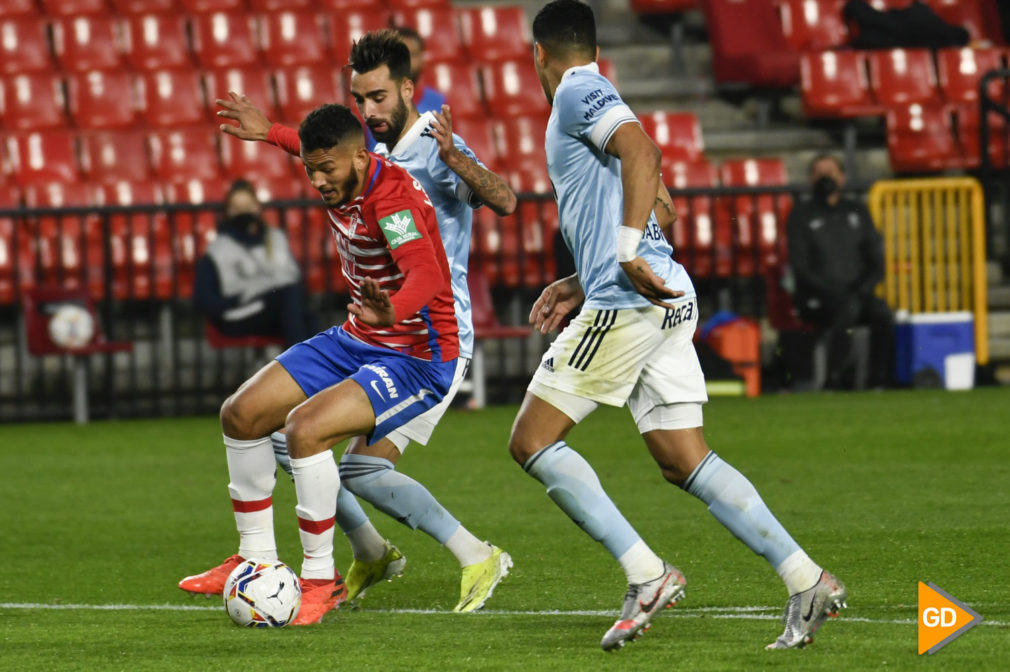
(456, 183)
(631, 343)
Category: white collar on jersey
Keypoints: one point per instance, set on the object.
(412, 134)
(590, 67)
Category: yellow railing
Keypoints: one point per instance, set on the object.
(934, 248)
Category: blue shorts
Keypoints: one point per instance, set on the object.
(399, 386)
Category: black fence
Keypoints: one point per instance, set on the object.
(137, 265)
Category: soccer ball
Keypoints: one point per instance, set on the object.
(262, 594)
(71, 326)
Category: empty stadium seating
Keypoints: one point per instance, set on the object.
(32, 101)
(156, 41)
(459, 82)
(43, 156)
(512, 87)
(18, 8)
(73, 7)
(292, 38)
(901, 77)
(348, 26)
(171, 98)
(920, 138)
(438, 27)
(677, 134)
(813, 24)
(748, 46)
(222, 39)
(759, 219)
(303, 88)
(256, 161)
(691, 235)
(835, 84)
(960, 72)
(253, 82)
(87, 43)
(495, 33)
(102, 99)
(520, 140)
(114, 155)
(143, 6)
(185, 154)
(24, 46)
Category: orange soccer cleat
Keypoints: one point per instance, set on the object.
(212, 581)
(319, 596)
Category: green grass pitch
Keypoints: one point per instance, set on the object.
(98, 523)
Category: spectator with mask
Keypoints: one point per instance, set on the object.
(837, 260)
(248, 283)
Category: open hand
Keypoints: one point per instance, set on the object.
(375, 307)
(557, 300)
(647, 283)
(252, 123)
(441, 130)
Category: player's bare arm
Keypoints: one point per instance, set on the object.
(666, 214)
(252, 123)
(557, 300)
(375, 307)
(488, 187)
(640, 183)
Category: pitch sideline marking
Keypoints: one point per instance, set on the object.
(739, 613)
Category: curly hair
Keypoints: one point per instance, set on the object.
(329, 125)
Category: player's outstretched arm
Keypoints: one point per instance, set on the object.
(252, 122)
(640, 183)
(375, 308)
(491, 189)
(557, 300)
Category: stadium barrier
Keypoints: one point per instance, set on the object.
(137, 264)
(934, 248)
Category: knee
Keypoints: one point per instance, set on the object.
(523, 445)
(238, 419)
(305, 434)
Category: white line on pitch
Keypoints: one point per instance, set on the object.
(740, 613)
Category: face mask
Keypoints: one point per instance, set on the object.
(246, 220)
(824, 187)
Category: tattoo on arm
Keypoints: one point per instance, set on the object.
(666, 206)
(488, 187)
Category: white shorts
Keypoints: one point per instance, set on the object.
(642, 357)
(420, 428)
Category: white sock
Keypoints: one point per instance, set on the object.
(251, 473)
(799, 572)
(468, 549)
(317, 482)
(640, 564)
(367, 544)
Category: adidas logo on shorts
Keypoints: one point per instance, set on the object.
(548, 364)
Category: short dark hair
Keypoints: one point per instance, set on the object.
(407, 31)
(328, 126)
(240, 185)
(566, 27)
(378, 48)
(825, 157)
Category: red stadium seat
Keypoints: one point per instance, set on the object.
(281, 5)
(43, 156)
(970, 137)
(208, 6)
(222, 40)
(478, 135)
(17, 259)
(692, 233)
(520, 140)
(495, 33)
(256, 161)
(340, 6)
(348, 27)
(9, 8)
(192, 231)
(32, 101)
(608, 70)
(102, 99)
(834, 84)
(185, 154)
(254, 82)
(292, 38)
(144, 6)
(512, 87)
(412, 4)
(156, 41)
(960, 71)
(748, 46)
(677, 134)
(813, 24)
(459, 81)
(112, 156)
(662, 6)
(900, 77)
(171, 98)
(73, 7)
(438, 27)
(758, 219)
(87, 43)
(24, 44)
(302, 89)
(64, 254)
(920, 138)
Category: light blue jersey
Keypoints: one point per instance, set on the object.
(454, 202)
(587, 110)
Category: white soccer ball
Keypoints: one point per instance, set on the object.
(262, 594)
(71, 326)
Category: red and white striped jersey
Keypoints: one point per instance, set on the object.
(390, 233)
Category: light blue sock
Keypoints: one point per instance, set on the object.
(574, 486)
(399, 496)
(735, 503)
(350, 515)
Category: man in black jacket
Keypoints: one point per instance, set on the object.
(837, 259)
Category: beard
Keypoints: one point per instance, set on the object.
(394, 127)
(347, 187)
